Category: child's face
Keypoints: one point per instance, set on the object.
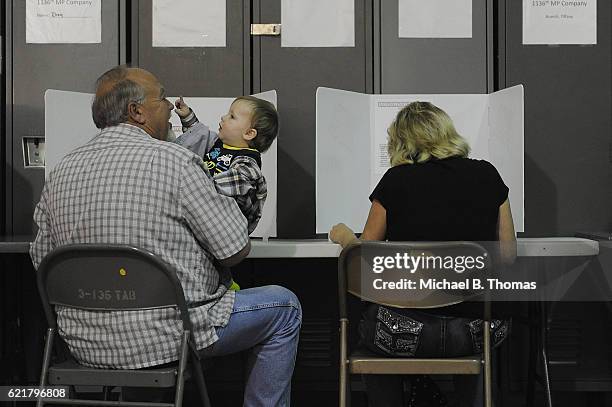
(235, 126)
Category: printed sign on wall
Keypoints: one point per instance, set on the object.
(63, 22)
(559, 22)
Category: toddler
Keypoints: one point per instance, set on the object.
(233, 155)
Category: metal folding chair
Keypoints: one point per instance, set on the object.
(357, 258)
(87, 277)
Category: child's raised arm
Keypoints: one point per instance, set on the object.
(184, 112)
(182, 109)
(196, 136)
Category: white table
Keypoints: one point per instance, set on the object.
(282, 249)
(526, 247)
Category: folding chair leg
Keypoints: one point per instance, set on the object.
(344, 384)
(544, 347)
(546, 378)
(180, 380)
(46, 361)
(487, 363)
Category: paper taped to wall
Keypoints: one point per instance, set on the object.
(63, 21)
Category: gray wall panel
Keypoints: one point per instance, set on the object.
(432, 65)
(296, 73)
(37, 67)
(192, 71)
(567, 88)
(2, 122)
(568, 132)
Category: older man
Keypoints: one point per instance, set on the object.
(128, 186)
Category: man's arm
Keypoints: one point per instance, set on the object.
(42, 244)
(236, 258)
(214, 219)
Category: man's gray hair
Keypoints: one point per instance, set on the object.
(111, 107)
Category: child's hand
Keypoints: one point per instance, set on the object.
(181, 108)
(342, 235)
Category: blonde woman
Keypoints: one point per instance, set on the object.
(432, 192)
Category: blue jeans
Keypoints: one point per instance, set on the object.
(267, 321)
(423, 335)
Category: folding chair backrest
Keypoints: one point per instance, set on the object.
(107, 278)
(357, 263)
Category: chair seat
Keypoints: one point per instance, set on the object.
(369, 363)
(72, 373)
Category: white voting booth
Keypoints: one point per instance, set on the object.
(68, 124)
(351, 145)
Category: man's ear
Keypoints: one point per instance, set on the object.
(136, 113)
(250, 134)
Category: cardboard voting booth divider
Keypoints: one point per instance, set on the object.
(351, 145)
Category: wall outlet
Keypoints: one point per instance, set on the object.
(34, 152)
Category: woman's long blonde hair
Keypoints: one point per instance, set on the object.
(421, 131)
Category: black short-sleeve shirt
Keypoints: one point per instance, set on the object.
(443, 200)
(451, 199)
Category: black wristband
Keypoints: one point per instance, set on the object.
(189, 120)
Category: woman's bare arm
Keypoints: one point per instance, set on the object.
(506, 234)
(375, 228)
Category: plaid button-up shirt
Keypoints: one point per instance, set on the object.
(243, 181)
(125, 187)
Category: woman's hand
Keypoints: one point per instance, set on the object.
(342, 234)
